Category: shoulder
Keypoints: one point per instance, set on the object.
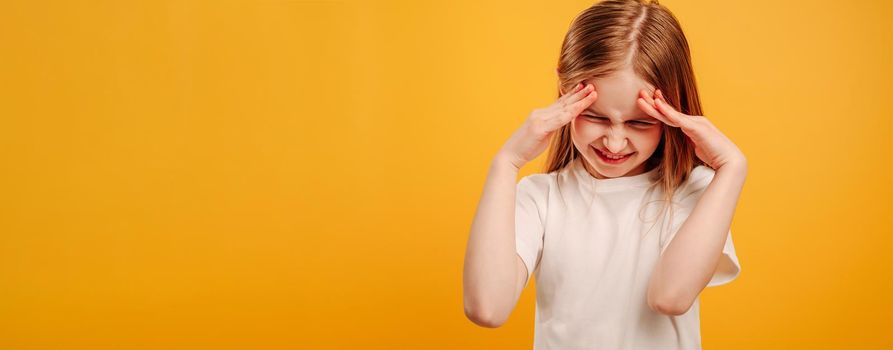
(701, 175)
(536, 183)
(698, 180)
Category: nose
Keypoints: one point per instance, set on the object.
(615, 141)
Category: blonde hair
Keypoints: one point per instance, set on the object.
(644, 35)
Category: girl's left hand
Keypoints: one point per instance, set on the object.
(711, 145)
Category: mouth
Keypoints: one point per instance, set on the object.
(612, 159)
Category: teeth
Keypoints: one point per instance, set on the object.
(613, 156)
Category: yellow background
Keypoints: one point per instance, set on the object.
(303, 174)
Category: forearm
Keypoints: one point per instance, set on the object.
(690, 260)
(489, 272)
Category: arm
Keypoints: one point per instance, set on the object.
(493, 274)
(691, 258)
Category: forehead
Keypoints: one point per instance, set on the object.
(617, 94)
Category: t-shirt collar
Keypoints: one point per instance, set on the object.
(618, 183)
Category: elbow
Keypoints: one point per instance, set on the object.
(484, 319)
(672, 303)
(483, 314)
(669, 306)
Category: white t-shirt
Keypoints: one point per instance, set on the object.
(593, 244)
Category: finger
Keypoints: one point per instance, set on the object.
(585, 101)
(670, 111)
(667, 110)
(562, 101)
(580, 94)
(573, 110)
(645, 94)
(650, 110)
(575, 89)
(569, 99)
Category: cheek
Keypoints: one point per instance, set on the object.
(650, 138)
(643, 139)
(587, 130)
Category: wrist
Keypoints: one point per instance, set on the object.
(738, 167)
(506, 161)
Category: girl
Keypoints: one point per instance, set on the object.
(631, 219)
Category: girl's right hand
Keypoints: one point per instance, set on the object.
(531, 139)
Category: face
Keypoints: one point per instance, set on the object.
(614, 124)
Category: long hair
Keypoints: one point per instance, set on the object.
(644, 35)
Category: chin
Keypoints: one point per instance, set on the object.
(613, 171)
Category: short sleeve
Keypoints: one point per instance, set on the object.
(529, 222)
(728, 267)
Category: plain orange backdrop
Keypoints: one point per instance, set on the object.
(278, 174)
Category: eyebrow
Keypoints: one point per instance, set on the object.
(600, 114)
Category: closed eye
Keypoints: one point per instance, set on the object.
(634, 122)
